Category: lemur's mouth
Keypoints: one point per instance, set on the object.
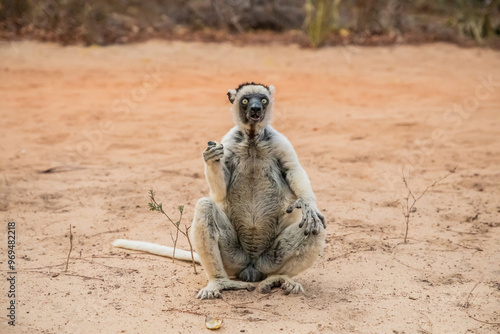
(255, 118)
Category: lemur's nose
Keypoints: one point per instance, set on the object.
(255, 108)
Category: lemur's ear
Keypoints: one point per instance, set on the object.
(272, 89)
(231, 94)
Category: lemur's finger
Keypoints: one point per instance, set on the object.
(308, 222)
(322, 218)
(218, 147)
(313, 229)
(209, 150)
(290, 209)
(304, 215)
(303, 221)
(214, 150)
(316, 223)
(212, 143)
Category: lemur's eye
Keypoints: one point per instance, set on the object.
(264, 101)
(244, 101)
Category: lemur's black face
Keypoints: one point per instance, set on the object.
(253, 107)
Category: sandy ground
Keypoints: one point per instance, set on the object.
(127, 119)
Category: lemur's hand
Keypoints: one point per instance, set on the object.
(312, 219)
(214, 152)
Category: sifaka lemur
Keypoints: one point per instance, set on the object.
(261, 222)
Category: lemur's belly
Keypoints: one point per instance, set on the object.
(257, 198)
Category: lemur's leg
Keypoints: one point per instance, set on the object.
(216, 242)
(291, 253)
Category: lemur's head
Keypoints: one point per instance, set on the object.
(252, 105)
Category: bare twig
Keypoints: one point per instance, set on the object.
(349, 253)
(70, 247)
(86, 277)
(174, 241)
(171, 309)
(408, 206)
(191, 248)
(181, 209)
(158, 207)
(60, 169)
(401, 262)
(429, 321)
(123, 229)
(38, 268)
(467, 305)
(63, 273)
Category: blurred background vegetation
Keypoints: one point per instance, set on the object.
(307, 22)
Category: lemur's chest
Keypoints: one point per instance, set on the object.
(255, 172)
(256, 197)
(257, 189)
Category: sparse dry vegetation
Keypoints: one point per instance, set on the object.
(408, 203)
(310, 22)
(158, 207)
(70, 248)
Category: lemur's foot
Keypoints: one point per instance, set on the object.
(215, 286)
(286, 283)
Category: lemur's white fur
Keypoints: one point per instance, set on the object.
(156, 249)
(248, 227)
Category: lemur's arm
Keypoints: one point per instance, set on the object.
(296, 176)
(215, 171)
(298, 181)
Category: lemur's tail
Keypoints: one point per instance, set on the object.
(156, 249)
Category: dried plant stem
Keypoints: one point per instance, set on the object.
(70, 247)
(86, 277)
(155, 206)
(177, 236)
(408, 206)
(467, 306)
(191, 248)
